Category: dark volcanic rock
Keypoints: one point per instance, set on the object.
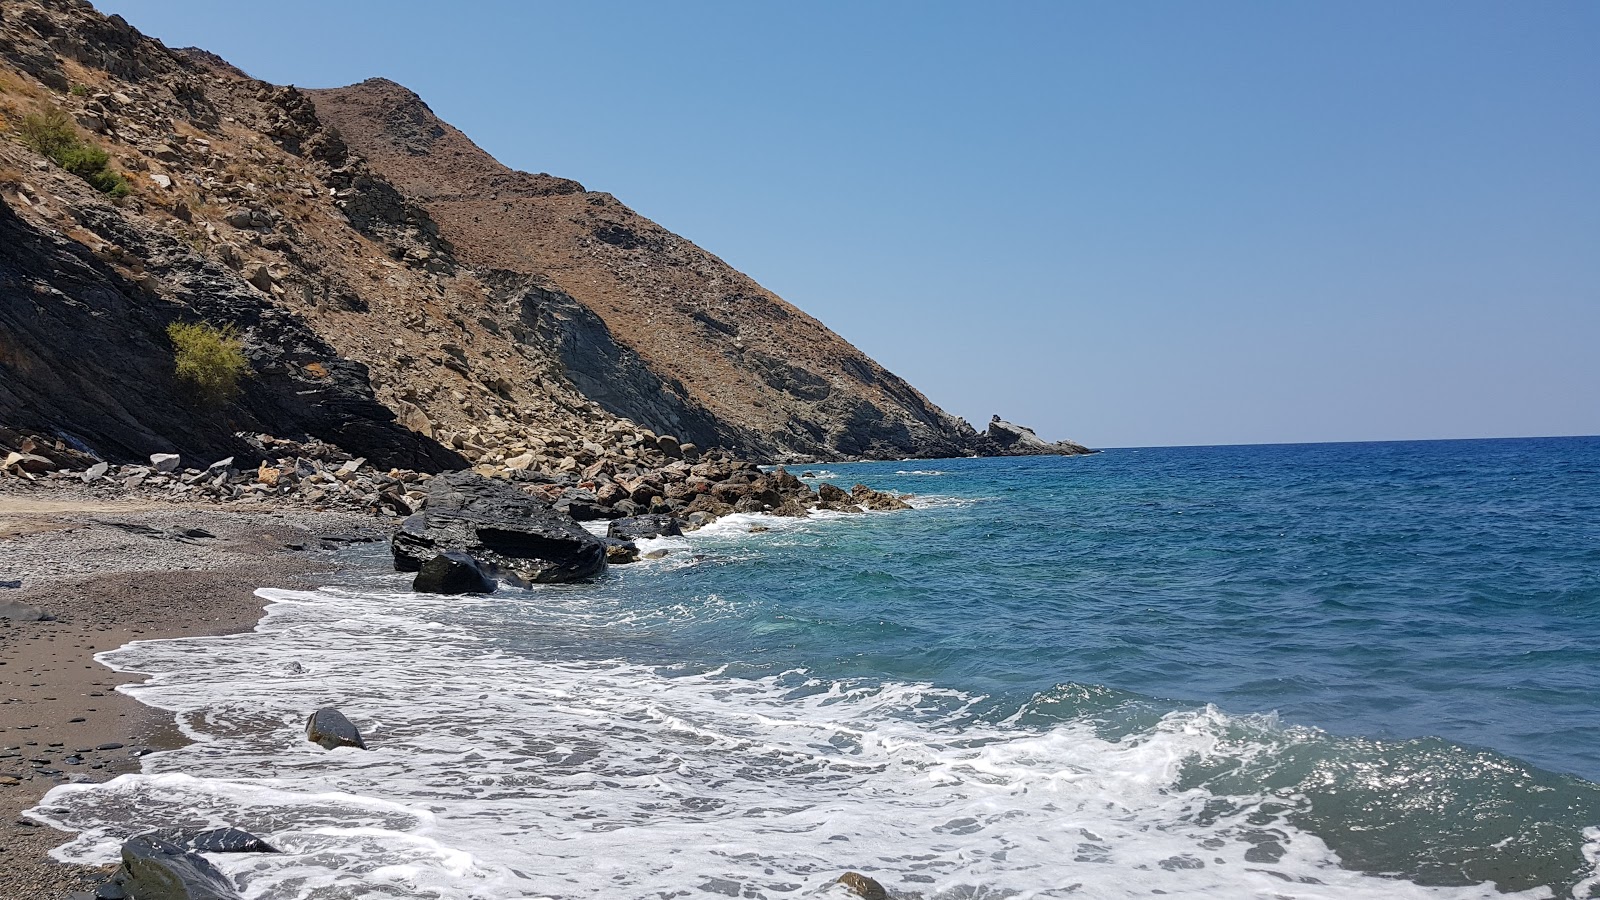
(636, 527)
(452, 572)
(620, 551)
(329, 727)
(157, 870)
(214, 840)
(511, 535)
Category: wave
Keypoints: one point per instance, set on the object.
(502, 771)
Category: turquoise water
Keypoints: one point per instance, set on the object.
(1310, 671)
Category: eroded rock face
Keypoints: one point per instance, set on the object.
(511, 535)
(84, 354)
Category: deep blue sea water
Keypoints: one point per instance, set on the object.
(1337, 670)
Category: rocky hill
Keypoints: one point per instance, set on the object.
(708, 352)
(398, 292)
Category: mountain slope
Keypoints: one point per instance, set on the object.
(777, 382)
(398, 291)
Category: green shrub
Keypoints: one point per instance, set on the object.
(210, 360)
(52, 134)
(79, 90)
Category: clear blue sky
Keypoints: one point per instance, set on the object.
(1124, 223)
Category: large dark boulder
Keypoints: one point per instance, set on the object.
(213, 840)
(512, 536)
(635, 528)
(156, 870)
(452, 572)
(329, 728)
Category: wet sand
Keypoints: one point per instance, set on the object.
(109, 573)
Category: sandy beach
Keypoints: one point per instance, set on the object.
(106, 573)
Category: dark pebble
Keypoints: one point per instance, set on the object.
(111, 746)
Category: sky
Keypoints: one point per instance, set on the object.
(1128, 224)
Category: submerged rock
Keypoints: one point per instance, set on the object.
(511, 535)
(156, 870)
(329, 728)
(452, 572)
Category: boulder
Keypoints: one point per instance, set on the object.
(329, 727)
(635, 528)
(165, 463)
(828, 493)
(22, 612)
(862, 886)
(94, 472)
(586, 511)
(511, 535)
(452, 572)
(27, 462)
(213, 840)
(156, 870)
(882, 501)
(620, 552)
(669, 446)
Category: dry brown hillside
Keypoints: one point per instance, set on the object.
(776, 381)
(398, 291)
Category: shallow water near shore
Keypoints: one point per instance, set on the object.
(1359, 670)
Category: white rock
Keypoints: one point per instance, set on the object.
(165, 463)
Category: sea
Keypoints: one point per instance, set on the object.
(1303, 671)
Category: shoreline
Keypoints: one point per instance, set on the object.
(107, 573)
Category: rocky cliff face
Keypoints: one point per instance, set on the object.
(399, 292)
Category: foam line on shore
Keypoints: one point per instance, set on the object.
(497, 775)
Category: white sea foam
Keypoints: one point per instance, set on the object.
(497, 775)
(921, 472)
